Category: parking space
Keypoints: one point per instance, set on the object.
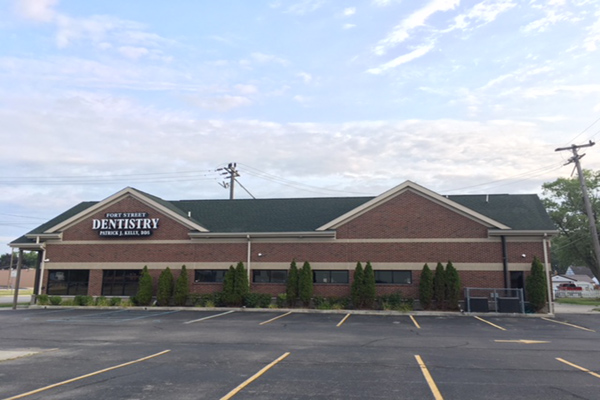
(214, 354)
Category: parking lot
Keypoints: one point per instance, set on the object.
(221, 354)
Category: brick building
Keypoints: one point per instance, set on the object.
(99, 248)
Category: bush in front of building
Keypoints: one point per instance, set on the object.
(182, 288)
(81, 300)
(357, 286)
(165, 287)
(439, 286)
(426, 287)
(368, 286)
(394, 302)
(242, 285)
(257, 300)
(452, 286)
(102, 301)
(55, 300)
(291, 285)
(143, 296)
(42, 300)
(235, 286)
(114, 301)
(535, 285)
(331, 303)
(305, 284)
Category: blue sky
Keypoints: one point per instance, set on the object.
(309, 97)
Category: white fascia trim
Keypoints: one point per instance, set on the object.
(512, 232)
(246, 235)
(44, 236)
(118, 196)
(408, 185)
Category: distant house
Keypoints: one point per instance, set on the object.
(580, 273)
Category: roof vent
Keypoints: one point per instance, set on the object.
(487, 198)
(189, 214)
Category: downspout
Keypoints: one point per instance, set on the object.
(248, 257)
(548, 277)
(505, 263)
(42, 265)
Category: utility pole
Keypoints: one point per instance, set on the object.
(232, 173)
(586, 200)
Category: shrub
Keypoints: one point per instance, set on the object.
(66, 302)
(394, 302)
(115, 301)
(102, 301)
(56, 300)
(144, 293)
(452, 286)
(426, 287)
(291, 289)
(80, 300)
(235, 285)
(305, 284)
(282, 300)
(43, 300)
(257, 300)
(439, 285)
(242, 286)
(229, 286)
(182, 288)
(368, 286)
(357, 286)
(535, 285)
(165, 287)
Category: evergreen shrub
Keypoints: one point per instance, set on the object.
(426, 287)
(165, 287)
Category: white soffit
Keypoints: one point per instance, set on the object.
(403, 187)
(115, 198)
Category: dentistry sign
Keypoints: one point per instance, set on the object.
(121, 224)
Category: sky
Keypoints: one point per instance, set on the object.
(310, 98)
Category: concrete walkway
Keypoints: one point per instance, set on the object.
(575, 309)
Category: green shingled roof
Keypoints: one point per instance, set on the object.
(519, 212)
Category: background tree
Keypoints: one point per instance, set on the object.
(426, 287)
(357, 286)
(564, 202)
(452, 286)
(291, 289)
(182, 288)
(369, 286)
(143, 296)
(305, 284)
(165, 287)
(535, 285)
(439, 286)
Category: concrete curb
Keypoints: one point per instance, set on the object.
(300, 311)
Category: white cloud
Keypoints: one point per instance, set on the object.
(220, 103)
(348, 26)
(543, 91)
(590, 43)
(133, 52)
(403, 59)
(402, 31)
(349, 11)
(306, 77)
(37, 10)
(246, 89)
(261, 58)
(304, 7)
(482, 13)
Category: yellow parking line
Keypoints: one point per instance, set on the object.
(578, 367)
(276, 318)
(415, 322)
(253, 377)
(432, 386)
(566, 323)
(488, 322)
(86, 376)
(343, 320)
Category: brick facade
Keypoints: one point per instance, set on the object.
(403, 232)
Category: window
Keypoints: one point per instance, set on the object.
(269, 276)
(120, 282)
(209, 275)
(330, 276)
(393, 277)
(68, 282)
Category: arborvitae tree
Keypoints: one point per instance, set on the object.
(182, 288)
(369, 286)
(305, 284)
(229, 286)
(535, 285)
(241, 284)
(165, 287)
(291, 289)
(439, 286)
(426, 287)
(357, 286)
(143, 296)
(452, 286)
